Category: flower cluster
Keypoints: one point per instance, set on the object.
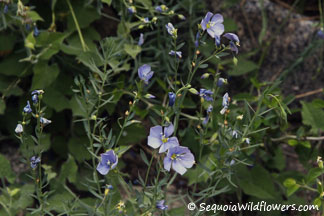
(213, 24)
(178, 157)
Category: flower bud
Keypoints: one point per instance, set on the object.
(193, 91)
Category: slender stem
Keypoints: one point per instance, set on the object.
(84, 45)
(148, 170)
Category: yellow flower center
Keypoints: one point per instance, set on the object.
(174, 156)
(164, 139)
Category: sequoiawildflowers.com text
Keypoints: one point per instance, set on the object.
(251, 206)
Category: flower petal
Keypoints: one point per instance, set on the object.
(167, 163)
(217, 18)
(154, 142)
(177, 166)
(103, 169)
(206, 20)
(168, 131)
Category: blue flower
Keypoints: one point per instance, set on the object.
(141, 40)
(160, 205)
(180, 16)
(320, 34)
(209, 110)
(172, 98)
(145, 73)
(247, 140)
(161, 8)
(171, 30)
(39, 92)
(213, 24)
(162, 140)
(34, 161)
(221, 82)
(179, 158)
(217, 41)
(234, 41)
(19, 129)
(225, 103)
(235, 134)
(44, 121)
(35, 98)
(27, 26)
(146, 20)
(36, 31)
(131, 9)
(149, 96)
(205, 76)
(177, 53)
(27, 108)
(5, 9)
(197, 39)
(108, 161)
(206, 94)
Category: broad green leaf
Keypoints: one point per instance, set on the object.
(77, 147)
(5, 169)
(56, 100)
(313, 116)
(69, 170)
(256, 182)
(11, 66)
(33, 15)
(44, 75)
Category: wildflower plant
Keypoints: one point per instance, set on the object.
(157, 92)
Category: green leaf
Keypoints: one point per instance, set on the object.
(289, 182)
(256, 182)
(24, 198)
(34, 16)
(313, 174)
(56, 100)
(243, 67)
(48, 171)
(30, 41)
(69, 170)
(313, 116)
(44, 75)
(107, 2)
(5, 169)
(132, 50)
(144, 158)
(78, 149)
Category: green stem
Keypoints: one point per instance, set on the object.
(148, 170)
(84, 45)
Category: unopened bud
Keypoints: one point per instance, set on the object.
(197, 52)
(126, 113)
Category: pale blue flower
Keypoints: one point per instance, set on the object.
(160, 205)
(171, 30)
(19, 129)
(234, 41)
(162, 140)
(213, 24)
(44, 121)
(108, 162)
(206, 94)
(177, 53)
(34, 161)
(145, 73)
(141, 40)
(131, 9)
(179, 158)
(36, 31)
(27, 108)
